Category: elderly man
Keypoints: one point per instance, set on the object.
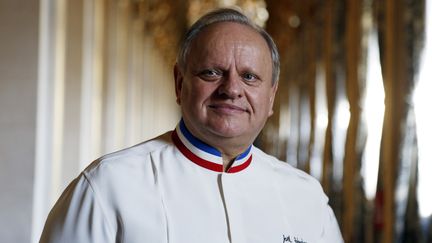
(204, 182)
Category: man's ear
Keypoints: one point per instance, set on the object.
(178, 79)
(272, 98)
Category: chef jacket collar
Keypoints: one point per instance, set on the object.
(205, 155)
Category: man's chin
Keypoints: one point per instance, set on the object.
(229, 132)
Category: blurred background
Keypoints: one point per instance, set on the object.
(81, 78)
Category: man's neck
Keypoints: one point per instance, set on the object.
(227, 163)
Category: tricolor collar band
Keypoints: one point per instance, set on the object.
(205, 155)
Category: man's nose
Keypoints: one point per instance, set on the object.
(231, 86)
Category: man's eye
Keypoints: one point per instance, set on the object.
(250, 77)
(209, 74)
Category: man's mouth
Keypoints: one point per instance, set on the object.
(227, 108)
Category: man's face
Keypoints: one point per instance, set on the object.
(225, 91)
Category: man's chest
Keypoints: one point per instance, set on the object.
(227, 208)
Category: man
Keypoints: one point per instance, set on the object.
(204, 182)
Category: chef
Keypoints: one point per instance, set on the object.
(203, 182)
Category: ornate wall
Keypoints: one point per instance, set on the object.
(105, 82)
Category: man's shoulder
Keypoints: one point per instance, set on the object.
(132, 158)
(289, 176)
(121, 183)
(281, 166)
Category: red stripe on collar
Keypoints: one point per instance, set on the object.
(205, 163)
(240, 167)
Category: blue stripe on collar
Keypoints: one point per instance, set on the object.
(198, 143)
(244, 154)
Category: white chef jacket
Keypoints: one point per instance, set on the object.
(172, 189)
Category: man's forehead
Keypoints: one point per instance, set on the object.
(228, 33)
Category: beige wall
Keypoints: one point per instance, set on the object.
(18, 92)
(95, 84)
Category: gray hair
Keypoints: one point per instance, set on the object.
(227, 15)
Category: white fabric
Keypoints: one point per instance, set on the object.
(151, 193)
